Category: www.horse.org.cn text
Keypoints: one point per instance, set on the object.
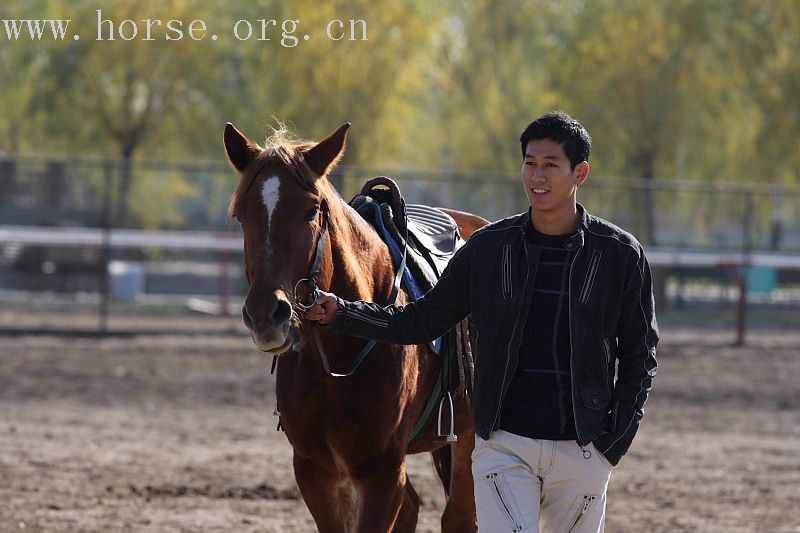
(285, 32)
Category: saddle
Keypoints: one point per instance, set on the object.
(433, 235)
(427, 237)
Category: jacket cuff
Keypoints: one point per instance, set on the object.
(614, 445)
(338, 318)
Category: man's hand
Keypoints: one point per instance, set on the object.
(324, 309)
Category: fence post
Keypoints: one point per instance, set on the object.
(105, 296)
(741, 305)
(740, 271)
(224, 283)
(778, 219)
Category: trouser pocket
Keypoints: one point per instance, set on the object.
(504, 500)
(602, 457)
(584, 505)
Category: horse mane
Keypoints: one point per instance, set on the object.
(284, 148)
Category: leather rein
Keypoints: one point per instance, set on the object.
(312, 296)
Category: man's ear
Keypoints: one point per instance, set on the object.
(324, 156)
(241, 150)
(583, 171)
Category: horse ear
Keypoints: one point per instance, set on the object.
(241, 151)
(324, 156)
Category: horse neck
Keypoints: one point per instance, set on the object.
(362, 268)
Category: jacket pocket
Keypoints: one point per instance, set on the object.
(595, 400)
(591, 275)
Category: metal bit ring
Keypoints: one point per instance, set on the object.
(314, 292)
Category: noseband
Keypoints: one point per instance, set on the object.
(307, 302)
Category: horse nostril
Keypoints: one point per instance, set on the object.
(248, 320)
(282, 313)
(266, 313)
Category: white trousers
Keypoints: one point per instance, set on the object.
(523, 484)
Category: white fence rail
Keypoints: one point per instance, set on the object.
(232, 242)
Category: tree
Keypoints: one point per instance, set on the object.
(121, 91)
(638, 73)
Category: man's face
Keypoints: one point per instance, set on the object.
(549, 181)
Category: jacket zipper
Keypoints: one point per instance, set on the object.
(507, 286)
(511, 340)
(588, 283)
(607, 353)
(581, 442)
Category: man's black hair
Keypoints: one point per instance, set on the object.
(562, 129)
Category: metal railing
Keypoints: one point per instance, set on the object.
(681, 223)
(172, 195)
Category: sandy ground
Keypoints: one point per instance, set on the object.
(169, 428)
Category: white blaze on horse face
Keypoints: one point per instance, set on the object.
(270, 194)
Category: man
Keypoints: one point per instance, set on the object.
(563, 306)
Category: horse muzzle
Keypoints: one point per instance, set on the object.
(269, 322)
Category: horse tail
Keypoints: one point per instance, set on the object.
(443, 463)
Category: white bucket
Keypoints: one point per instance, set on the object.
(127, 280)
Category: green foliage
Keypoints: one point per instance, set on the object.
(686, 89)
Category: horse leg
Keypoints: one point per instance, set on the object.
(459, 511)
(332, 501)
(409, 510)
(382, 492)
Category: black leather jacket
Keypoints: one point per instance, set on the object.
(611, 312)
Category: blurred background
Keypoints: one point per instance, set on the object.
(132, 399)
(114, 183)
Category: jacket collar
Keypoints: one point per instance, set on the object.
(575, 242)
(584, 217)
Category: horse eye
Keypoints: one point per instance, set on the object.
(312, 214)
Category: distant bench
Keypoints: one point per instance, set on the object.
(61, 268)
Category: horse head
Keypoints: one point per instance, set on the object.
(281, 203)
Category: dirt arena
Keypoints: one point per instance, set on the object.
(170, 429)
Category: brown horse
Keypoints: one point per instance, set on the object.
(350, 435)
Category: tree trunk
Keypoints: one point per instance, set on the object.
(649, 213)
(644, 166)
(125, 178)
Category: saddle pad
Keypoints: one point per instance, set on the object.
(435, 230)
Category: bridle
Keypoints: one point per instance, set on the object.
(316, 266)
(312, 279)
